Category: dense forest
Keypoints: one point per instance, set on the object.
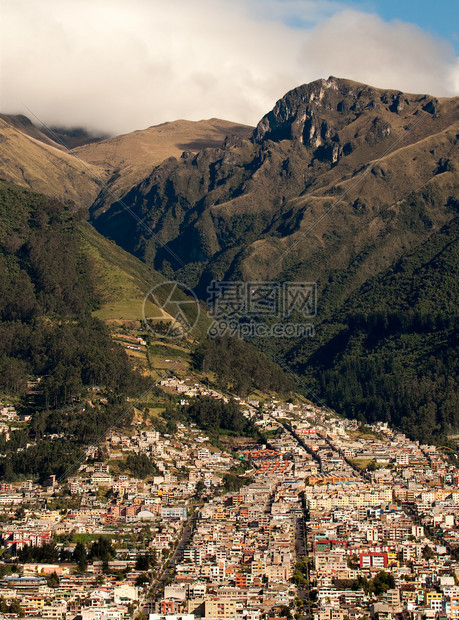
(391, 355)
(46, 328)
(241, 367)
(216, 416)
(47, 334)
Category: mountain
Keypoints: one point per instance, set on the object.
(74, 165)
(25, 126)
(129, 158)
(60, 137)
(345, 185)
(245, 210)
(342, 184)
(30, 158)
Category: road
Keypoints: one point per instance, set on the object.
(305, 447)
(159, 581)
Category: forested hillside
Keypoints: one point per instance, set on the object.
(46, 301)
(240, 367)
(48, 334)
(345, 185)
(391, 353)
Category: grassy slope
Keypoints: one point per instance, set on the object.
(45, 169)
(121, 282)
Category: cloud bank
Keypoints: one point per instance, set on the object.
(116, 66)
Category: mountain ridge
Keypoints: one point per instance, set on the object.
(44, 167)
(128, 158)
(73, 165)
(339, 184)
(248, 180)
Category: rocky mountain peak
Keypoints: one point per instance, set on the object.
(291, 116)
(314, 115)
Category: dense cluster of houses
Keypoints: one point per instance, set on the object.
(397, 517)
(334, 522)
(242, 556)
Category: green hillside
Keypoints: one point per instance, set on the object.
(47, 300)
(121, 285)
(53, 350)
(120, 280)
(391, 353)
(340, 184)
(64, 291)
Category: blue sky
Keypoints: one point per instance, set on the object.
(438, 17)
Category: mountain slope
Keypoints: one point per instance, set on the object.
(29, 159)
(25, 126)
(331, 146)
(340, 184)
(121, 284)
(129, 158)
(47, 296)
(37, 159)
(58, 137)
(52, 350)
(390, 353)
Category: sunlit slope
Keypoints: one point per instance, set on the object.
(129, 158)
(46, 169)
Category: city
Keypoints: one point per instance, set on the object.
(332, 519)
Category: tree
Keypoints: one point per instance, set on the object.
(232, 482)
(298, 577)
(142, 579)
(140, 465)
(200, 486)
(20, 512)
(80, 557)
(428, 553)
(283, 611)
(142, 562)
(383, 582)
(102, 549)
(53, 580)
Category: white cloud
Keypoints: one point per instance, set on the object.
(385, 54)
(117, 66)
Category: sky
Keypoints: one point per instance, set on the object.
(118, 65)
